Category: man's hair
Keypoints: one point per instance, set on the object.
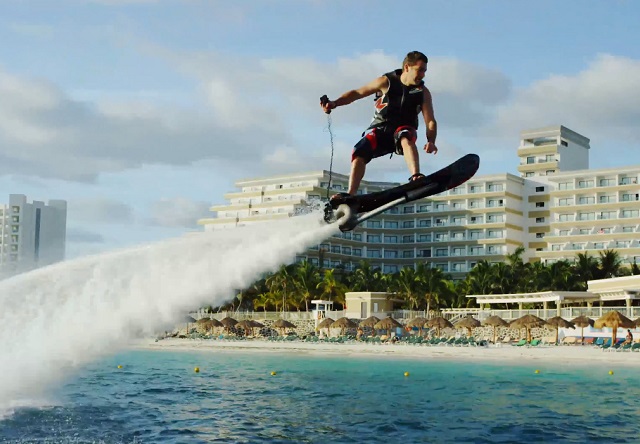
(414, 57)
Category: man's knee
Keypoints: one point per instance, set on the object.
(404, 136)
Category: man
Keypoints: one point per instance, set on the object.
(401, 96)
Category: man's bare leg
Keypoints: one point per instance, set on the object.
(411, 155)
(358, 167)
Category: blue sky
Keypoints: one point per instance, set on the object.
(144, 113)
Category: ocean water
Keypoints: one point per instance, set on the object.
(156, 397)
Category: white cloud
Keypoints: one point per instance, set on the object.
(178, 212)
(600, 102)
(82, 236)
(100, 210)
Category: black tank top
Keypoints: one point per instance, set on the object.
(399, 106)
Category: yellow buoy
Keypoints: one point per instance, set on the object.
(537, 371)
(197, 369)
(273, 373)
(611, 372)
(406, 373)
(119, 366)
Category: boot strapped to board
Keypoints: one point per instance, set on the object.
(416, 177)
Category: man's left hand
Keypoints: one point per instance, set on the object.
(430, 147)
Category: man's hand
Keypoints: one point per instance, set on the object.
(430, 147)
(327, 105)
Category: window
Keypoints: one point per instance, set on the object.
(584, 231)
(474, 234)
(629, 213)
(407, 253)
(531, 159)
(550, 172)
(539, 235)
(606, 199)
(458, 251)
(391, 239)
(565, 217)
(441, 252)
(456, 220)
(374, 224)
(408, 210)
(424, 223)
(374, 238)
(457, 236)
(539, 204)
(565, 201)
(390, 254)
(424, 238)
(335, 249)
(628, 180)
(625, 197)
(441, 207)
(606, 182)
(586, 216)
(539, 189)
(627, 229)
(357, 236)
(563, 233)
(346, 250)
(408, 239)
(357, 251)
(539, 220)
(424, 208)
(373, 253)
(475, 189)
(585, 183)
(390, 269)
(390, 224)
(564, 143)
(550, 158)
(474, 251)
(565, 186)
(408, 224)
(583, 200)
(528, 174)
(440, 222)
(424, 253)
(494, 234)
(607, 215)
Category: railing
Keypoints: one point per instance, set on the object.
(451, 314)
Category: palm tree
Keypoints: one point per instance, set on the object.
(366, 278)
(563, 277)
(332, 288)
(306, 279)
(281, 283)
(610, 264)
(586, 268)
(407, 284)
(480, 278)
(433, 284)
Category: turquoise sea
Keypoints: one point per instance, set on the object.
(156, 397)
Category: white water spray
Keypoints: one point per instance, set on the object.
(74, 312)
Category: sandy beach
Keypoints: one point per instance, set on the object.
(567, 354)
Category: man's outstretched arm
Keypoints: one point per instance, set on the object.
(379, 84)
(430, 122)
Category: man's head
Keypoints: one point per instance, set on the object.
(414, 67)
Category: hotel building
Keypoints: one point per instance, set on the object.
(31, 234)
(555, 208)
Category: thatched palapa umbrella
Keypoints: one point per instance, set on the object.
(614, 320)
(527, 321)
(247, 325)
(228, 322)
(582, 322)
(371, 321)
(387, 324)
(469, 323)
(495, 322)
(558, 322)
(344, 323)
(417, 322)
(438, 323)
(326, 323)
(281, 323)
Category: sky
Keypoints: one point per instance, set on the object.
(143, 113)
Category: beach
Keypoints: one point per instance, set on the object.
(570, 354)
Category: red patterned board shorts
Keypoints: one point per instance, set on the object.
(377, 142)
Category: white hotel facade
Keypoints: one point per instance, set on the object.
(31, 234)
(555, 208)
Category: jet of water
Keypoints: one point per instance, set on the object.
(73, 312)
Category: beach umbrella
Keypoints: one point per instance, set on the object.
(527, 321)
(189, 320)
(495, 322)
(582, 322)
(387, 323)
(371, 321)
(326, 323)
(247, 324)
(417, 322)
(344, 323)
(439, 322)
(559, 322)
(281, 323)
(469, 323)
(228, 322)
(614, 320)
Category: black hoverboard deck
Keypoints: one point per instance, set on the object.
(353, 210)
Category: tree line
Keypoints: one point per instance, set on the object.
(292, 287)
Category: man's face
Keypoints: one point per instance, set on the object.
(416, 72)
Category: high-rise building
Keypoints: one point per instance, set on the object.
(31, 234)
(558, 207)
